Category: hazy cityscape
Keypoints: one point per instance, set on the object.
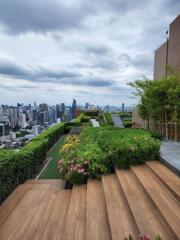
(21, 123)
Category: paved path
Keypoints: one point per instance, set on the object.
(95, 123)
(170, 155)
(117, 120)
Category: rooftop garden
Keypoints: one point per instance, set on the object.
(98, 151)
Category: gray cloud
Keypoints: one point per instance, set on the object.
(79, 45)
(142, 61)
(9, 68)
(39, 16)
(98, 50)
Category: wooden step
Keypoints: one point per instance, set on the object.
(97, 224)
(22, 214)
(162, 200)
(166, 176)
(43, 184)
(147, 220)
(12, 201)
(75, 227)
(56, 224)
(35, 224)
(120, 218)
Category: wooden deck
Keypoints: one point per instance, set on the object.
(143, 199)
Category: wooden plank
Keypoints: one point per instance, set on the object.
(146, 218)
(166, 176)
(12, 201)
(56, 184)
(45, 181)
(97, 224)
(21, 213)
(164, 203)
(75, 227)
(32, 228)
(121, 221)
(56, 224)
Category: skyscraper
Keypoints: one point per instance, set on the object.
(73, 108)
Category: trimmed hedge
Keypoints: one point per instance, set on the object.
(108, 119)
(17, 167)
(98, 150)
(127, 123)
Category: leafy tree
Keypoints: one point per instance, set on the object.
(159, 100)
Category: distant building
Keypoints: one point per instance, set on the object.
(169, 52)
(73, 108)
(87, 105)
(23, 123)
(36, 130)
(43, 107)
(12, 136)
(122, 109)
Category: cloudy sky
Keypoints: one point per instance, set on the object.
(54, 50)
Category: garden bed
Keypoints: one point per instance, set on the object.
(97, 151)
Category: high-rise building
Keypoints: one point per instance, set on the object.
(43, 107)
(123, 107)
(73, 108)
(87, 105)
(23, 122)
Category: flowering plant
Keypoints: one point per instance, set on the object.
(145, 237)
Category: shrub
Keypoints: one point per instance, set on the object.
(105, 147)
(16, 167)
(108, 118)
(127, 123)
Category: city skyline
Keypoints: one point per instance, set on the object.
(86, 51)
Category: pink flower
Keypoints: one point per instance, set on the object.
(144, 237)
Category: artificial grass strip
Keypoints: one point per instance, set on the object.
(51, 171)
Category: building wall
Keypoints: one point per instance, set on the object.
(173, 58)
(137, 121)
(160, 61)
(174, 45)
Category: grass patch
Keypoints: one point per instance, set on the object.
(51, 171)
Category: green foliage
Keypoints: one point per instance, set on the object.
(127, 123)
(109, 119)
(91, 113)
(158, 237)
(125, 114)
(16, 167)
(100, 118)
(159, 100)
(81, 118)
(98, 150)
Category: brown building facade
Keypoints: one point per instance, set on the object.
(169, 52)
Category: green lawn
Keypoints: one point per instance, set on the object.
(51, 171)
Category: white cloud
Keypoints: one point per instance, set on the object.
(101, 41)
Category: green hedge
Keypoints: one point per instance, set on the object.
(98, 150)
(108, 119)
(17, 167)
(127, 123)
